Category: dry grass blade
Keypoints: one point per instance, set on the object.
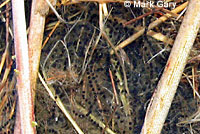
(160, 37)
(151, 26)
(4, 3)
(55, 12)
(60, 105)
(192, 119)
(3, 59)
(162, 98)
(5, 76)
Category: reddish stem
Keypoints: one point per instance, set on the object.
(22, 65)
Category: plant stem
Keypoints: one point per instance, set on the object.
(162, 98)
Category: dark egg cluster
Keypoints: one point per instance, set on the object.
(78, 69)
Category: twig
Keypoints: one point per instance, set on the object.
(151, 26)
(55, 12)
(4, 3)
(105, 10)
(114, 89)
(4, 20)
(90, 57)
(25, 105)
(35, 38)
(3, 58)
(181, 14)
(52, 31)
(192, 119)
(87, 50)
(5, 76)
(166, 89)
(5, 54)
(191, 83)
(101, 24)
(152, 12)
(159, 53)
(170, 12)
(142, 16)
(158, 36)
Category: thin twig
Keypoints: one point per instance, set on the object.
(114, 89)
(105, 9)
(55, 12)
(101, 24)
(151, 26)
(60, 105)
(4, 3)
(52, 31)
(87, 50)
(5, 54)
(142, 16)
